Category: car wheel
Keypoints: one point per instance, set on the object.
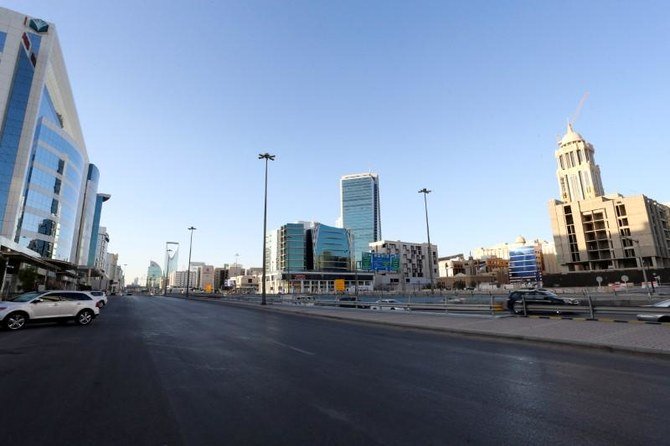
(84, 317)
(15, 321)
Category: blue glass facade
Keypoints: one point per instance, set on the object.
(43, 163)
(293, 247)
(53, 189)
(524, 266)
(361, 210)
(85, 239)
(12, 125)
(93, 247)
(329, 249)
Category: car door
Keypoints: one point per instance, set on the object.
(70, 303)
(47, 306)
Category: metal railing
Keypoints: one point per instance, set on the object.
(491, 304)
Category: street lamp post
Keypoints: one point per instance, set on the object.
(425, 193)
(267, 157)
(188, 269)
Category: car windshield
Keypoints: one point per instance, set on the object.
(25, 297)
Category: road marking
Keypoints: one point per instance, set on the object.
(299, 350)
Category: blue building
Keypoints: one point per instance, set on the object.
(525, 265)
(47, 186)
(360, 210)
(310, 257)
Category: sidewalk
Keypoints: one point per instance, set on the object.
(628, 337)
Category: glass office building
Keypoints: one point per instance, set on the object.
(524, 266)
(292, 246)
(360, 210)
(328, 248)
(44, 168)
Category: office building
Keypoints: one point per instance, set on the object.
(44, 165)
(602, 233)
(154, 275)
(310, 257)
(360, 210)
(177, 279)
(415, 262)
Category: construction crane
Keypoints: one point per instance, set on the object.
(575, 115)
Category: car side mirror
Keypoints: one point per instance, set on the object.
(36, 301)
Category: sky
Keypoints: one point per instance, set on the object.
(177, 99)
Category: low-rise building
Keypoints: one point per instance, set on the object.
(417, 266)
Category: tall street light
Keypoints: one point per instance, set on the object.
(267, 157)
(188, 272)
(425, 193)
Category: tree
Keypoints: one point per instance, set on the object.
(28, 278)
(459, 284)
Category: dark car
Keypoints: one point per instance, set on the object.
(536, 297)
(351, 302)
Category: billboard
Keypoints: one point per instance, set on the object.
(374, 261)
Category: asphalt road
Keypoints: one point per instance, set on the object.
(164, 371)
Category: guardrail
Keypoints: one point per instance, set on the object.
(495, 305)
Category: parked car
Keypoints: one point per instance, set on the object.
(99, 296)
(351, 302)
(537, 297)
(388, 304)
(55, 305)
(656, 317)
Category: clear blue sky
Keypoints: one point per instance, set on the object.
(177, 98)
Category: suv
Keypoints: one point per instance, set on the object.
(55, 305)
(99, 296)
(536, 297)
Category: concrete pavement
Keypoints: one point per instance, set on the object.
(630, 337)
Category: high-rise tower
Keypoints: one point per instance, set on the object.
(44, 165)
(598, 232)
(578, 174)
(360, 210)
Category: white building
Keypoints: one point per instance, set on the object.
(178, 278)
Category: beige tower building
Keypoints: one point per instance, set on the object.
(594, 231)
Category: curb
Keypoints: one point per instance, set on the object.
(460, 331)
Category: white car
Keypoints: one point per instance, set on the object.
(656, 317)
(45, 306)
(99, 296)
(388, 304)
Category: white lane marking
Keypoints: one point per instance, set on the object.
(299, 350)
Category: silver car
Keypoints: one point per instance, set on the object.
(656, 317)
(53, 305)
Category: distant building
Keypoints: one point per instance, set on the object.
(414, 265)
(101, 262)
(178, 278)
(360, 210)
(154, 275)
(309, 258)
(544, 251)
(458, 272)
